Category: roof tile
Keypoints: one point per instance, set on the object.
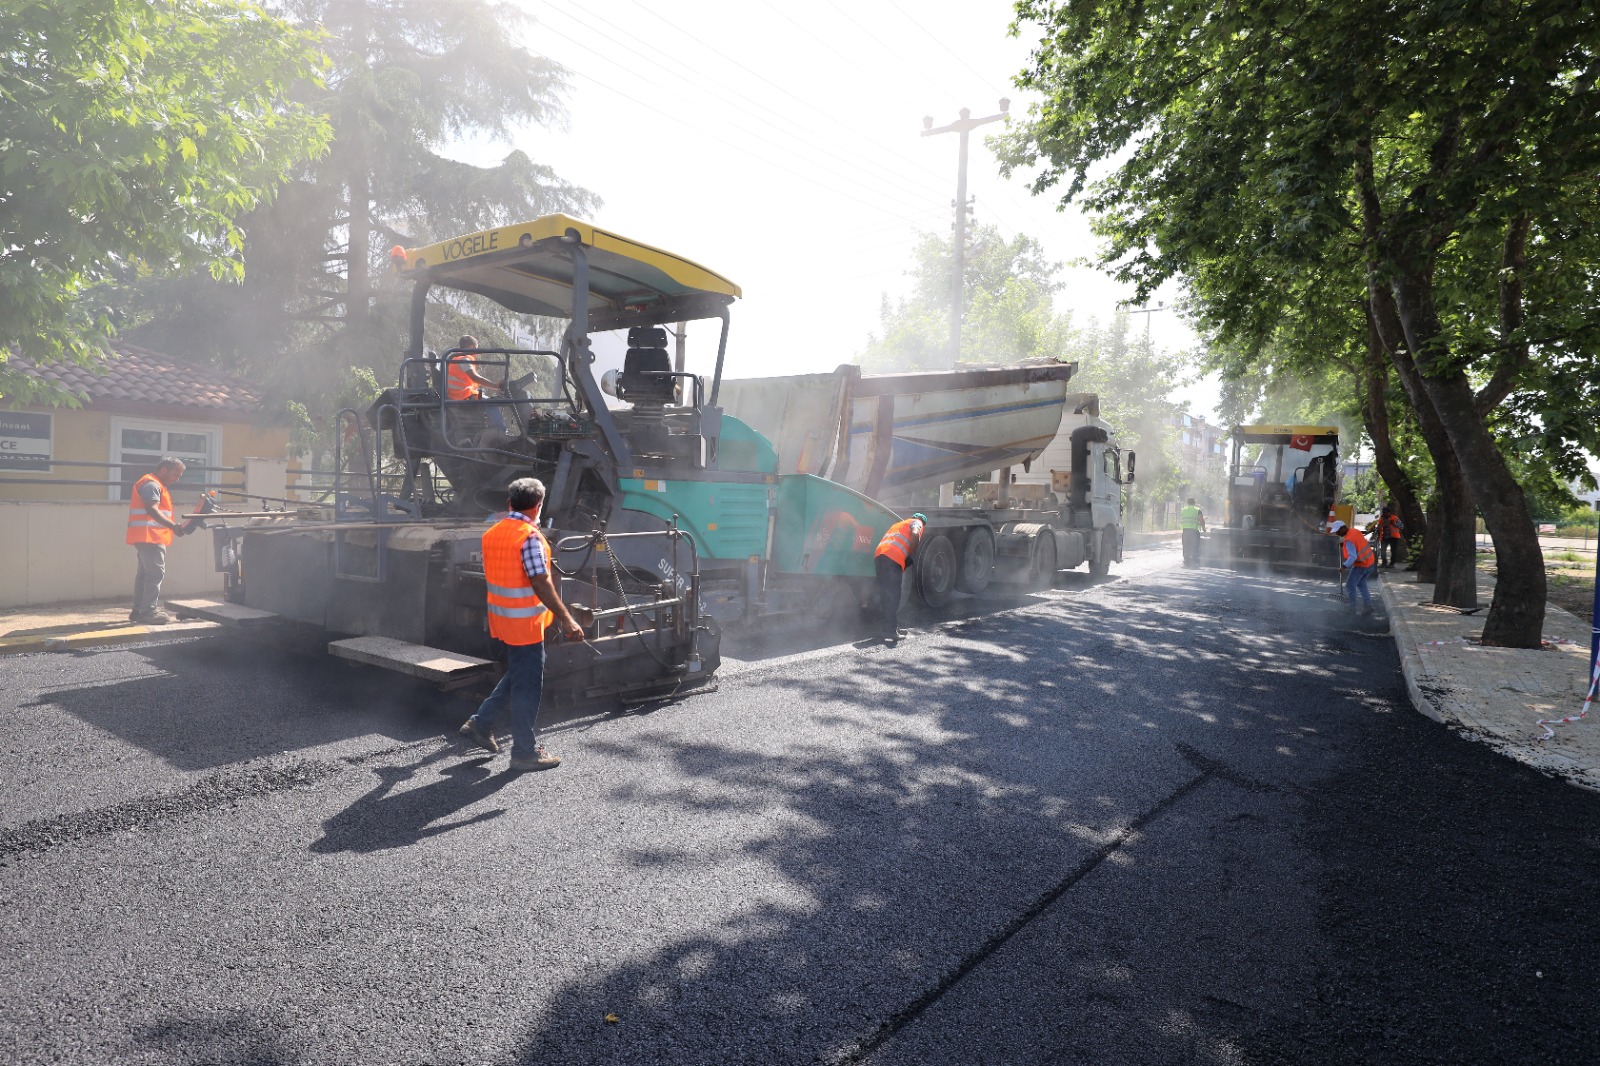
(136, 373)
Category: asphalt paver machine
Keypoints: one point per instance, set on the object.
(1283, 484)
(644, 504)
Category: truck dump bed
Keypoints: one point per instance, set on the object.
(890, 436)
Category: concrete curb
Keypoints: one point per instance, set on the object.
(1410, 661)
(98, 638)
(1434, 695)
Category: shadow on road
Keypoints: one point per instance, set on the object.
(384, 818)
(208, 703)
(1000, 762)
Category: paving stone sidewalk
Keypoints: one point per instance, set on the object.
(1498, 695)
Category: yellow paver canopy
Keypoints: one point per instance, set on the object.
(527, 268)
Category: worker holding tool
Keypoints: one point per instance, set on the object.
(1192, 521)
(893, 555)
(150, 530)
(522, 601)
(1357, 561)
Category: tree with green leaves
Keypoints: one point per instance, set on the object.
(134, 134)
(1009, 317)
(1450, 143)
(318, 317)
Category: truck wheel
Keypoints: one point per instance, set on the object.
(977, 561)
(1044, 561)
(936, 571)
(1100, 565)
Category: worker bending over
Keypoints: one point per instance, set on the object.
(894, 554)
(1192, 521)
(1356, 556)
(522, 600)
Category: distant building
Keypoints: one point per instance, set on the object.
(65, 473)
(1589, 497)
(1202, 454)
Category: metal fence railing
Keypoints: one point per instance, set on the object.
(212, 480)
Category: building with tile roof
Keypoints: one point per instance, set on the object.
(65, 473)
(138, 379)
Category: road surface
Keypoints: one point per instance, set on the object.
(1180, 816)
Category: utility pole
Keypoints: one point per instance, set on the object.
(1147, 312)
(963, 125)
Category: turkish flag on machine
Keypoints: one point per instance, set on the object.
(1300, 442)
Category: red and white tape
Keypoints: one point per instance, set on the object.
(1588, 703)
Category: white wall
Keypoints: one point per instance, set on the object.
(54, 552)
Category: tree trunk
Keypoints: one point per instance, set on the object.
(1425, 555)
(1375, 415)
(1516, 615)
(1450, 558)
(358, 284)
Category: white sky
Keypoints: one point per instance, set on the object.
(781, 146)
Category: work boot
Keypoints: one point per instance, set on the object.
(541, 760)
(477, 736)
(158, 618)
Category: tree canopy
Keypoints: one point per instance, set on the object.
(134, 134)
(1434, 156)
(1010, 317)
(317, 318)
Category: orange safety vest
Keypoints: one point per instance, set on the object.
(1391, 527)
(459, 384)
(1364, 553)
(899, 540)
(515, 614)
(142, 529)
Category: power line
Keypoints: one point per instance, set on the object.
(889, 178)
(937, 88)
(874, 146)
(743, 149)
(952, 52)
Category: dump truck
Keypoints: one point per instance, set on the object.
(667, 514)
(1284, 485)
(901, 437)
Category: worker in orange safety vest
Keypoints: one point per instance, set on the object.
(464, 382)
(151, 527)
(522, 601)
(893, 555)
(1357, 557)
(1391, 538)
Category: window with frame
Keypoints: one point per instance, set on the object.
(139, 444)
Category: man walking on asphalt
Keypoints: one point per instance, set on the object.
(893, 555)
(150, 531)
(522, 600)
(1356, 556)
(1192, 521)
(1391, 538)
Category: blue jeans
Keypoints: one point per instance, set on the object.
(1356, 578)
(520, 690)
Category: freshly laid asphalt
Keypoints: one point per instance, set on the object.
(1181, 816)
